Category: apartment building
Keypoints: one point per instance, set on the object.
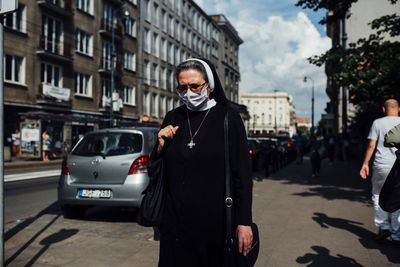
(62, 73)
(271, 112)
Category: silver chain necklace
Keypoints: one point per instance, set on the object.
(191, 144)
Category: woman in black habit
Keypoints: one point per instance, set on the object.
(191, 140)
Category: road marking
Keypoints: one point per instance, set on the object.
(31, 175)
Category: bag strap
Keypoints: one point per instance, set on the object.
(228, 198)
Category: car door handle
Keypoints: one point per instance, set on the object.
(95, 161)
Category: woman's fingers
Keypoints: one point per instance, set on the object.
(245, 238)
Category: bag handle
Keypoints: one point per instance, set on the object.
(228, 196)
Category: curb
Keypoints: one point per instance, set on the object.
(29, 164)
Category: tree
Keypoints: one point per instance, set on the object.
(369, 68)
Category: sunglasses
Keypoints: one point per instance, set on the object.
(193, 87)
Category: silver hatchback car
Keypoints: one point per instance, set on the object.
(107, 167)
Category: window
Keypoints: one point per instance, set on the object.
(156, 75)
(163, 78)
(130, 27)
(130, 95)
(146, 40)
(155, 14)
(162, 106)
(177, 31)
(172, 80)
(194, 42)
(156, 45)
(108, 17)
(106, 62)
(183, 35)
(169, 84)
(164, 20)
(83, 84)
(83, 42)
(170, 53)
(194, 20)
(170, 104)
(154, 106)
(106, 87)
(14, 69)
(171, 25)
(129, 61)
(146, 72)
(51, 74)
(189, 42)
(51, 35)
(147, 10)
(16, 20)
(163, 49)
(84, 5)
(177, 54)
(146, 101)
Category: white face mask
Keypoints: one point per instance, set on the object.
(194, 100)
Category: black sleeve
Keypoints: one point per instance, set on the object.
(169, 119)
(241, 171)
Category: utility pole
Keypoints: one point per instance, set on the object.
(139, 75)
(276, 113)
(112, 69)
(312, 103)
(344, 88)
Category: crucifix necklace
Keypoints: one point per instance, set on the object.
(191, 144)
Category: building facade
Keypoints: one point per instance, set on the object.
(271, 112)
(75, 65)
(342, 33)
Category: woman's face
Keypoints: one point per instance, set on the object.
(193, 79)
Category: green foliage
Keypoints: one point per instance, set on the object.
(339, 7)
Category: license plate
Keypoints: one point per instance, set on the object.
(95, 193)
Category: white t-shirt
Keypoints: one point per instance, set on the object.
(384, 156)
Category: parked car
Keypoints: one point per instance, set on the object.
(107, 167)
(255, 151)
(289, 145)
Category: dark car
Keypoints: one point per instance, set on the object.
(289, 145)
(255, 151)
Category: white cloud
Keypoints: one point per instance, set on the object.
(275, 50)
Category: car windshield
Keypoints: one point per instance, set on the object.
(109, 144)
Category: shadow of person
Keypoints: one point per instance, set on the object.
(323, 258)
(365, 236)
(61, 235)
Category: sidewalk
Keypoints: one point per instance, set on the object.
(303, 221)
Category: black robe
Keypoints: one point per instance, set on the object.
(195, 211)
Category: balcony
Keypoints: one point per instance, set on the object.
(55, 50)
(59, 7)
(106, 65)
(53, 95)
(106, 29)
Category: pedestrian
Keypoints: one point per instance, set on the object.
(382, 164)
(331, 143)
(191, 141)
(299, 141)
(314, 157)
(46, 142)
(16, 143)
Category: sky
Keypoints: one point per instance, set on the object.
(278, 38)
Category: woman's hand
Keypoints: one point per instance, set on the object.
(165, 133)
(245, 238)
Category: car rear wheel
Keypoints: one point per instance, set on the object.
(73, 211)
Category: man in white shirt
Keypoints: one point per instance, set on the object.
(381, 166)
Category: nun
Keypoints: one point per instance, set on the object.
(191, 141)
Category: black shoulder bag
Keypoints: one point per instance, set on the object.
(232, 256)
(389, 197)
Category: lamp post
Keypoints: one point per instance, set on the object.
(124, 14)
(312, 103)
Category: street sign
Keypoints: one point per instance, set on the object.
(7, 6)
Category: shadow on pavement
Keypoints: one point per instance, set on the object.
(323, 258)
(51, 209)
(61, 235)
(366, 237)
(338, 181)
(110, 214)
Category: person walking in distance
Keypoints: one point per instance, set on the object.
(382, 164)
(16, 142)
